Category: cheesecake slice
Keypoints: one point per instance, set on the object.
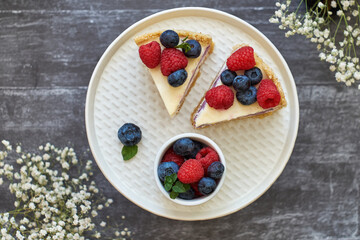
(204, 115)
(174, 97)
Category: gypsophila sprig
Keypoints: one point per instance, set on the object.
(334, 26)
(51, 203)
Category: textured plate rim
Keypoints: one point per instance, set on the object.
(95, 79)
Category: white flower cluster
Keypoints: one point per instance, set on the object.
(320, 25)
(50, 203)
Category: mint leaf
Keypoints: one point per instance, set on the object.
(187, 187)
(184, 45)
(174, 195)
(168, 179)
(129, 152)
(168, 186)
(173, 177)
(179, 187)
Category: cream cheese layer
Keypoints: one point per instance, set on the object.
(173, 96)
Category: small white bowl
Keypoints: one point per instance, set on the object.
(198, 137)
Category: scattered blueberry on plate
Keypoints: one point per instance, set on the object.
(129, 135)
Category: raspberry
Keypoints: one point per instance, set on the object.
(191, 171)
(171, 156)
(267, 95)
(150, 54)
(196, 189)
(172, 60)
(241, 59)
(220, 97)
(206, 157)
(203, 152)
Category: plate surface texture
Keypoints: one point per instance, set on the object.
(121, 90)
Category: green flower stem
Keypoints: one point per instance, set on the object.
(298, 7)
(337, 28)
(353, 45)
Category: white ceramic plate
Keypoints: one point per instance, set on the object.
(121, 90)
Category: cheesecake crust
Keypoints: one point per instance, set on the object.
(200, 37)
(271, 75)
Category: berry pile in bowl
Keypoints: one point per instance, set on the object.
(189, 169)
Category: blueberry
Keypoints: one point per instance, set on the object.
(167, 169)
(215, 170)
(254, 74)
(247, 97)
(206, 185)
(198, 146)
(183, 146)
(188, 195)
(129, 134)
(195, 50)
(227, 77)
(169, 39)
(241, 83)
(177, 78)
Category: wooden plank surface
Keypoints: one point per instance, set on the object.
(48, 50)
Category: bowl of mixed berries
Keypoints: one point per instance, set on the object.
(189, 169)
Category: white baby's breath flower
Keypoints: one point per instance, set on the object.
(320, 5)
(345, 4)
(32, 206)
(333, 4)
(43, 232)
(357, 75)
(52, 197)
(46, 157)
(7, 145)
(356, 32)
(18, 149)
(322, 56)
(274, 20)
(340, 13)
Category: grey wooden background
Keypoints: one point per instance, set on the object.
(48, 50)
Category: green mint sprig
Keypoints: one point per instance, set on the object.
(175, 186)
(184, 45)
(128, 152)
